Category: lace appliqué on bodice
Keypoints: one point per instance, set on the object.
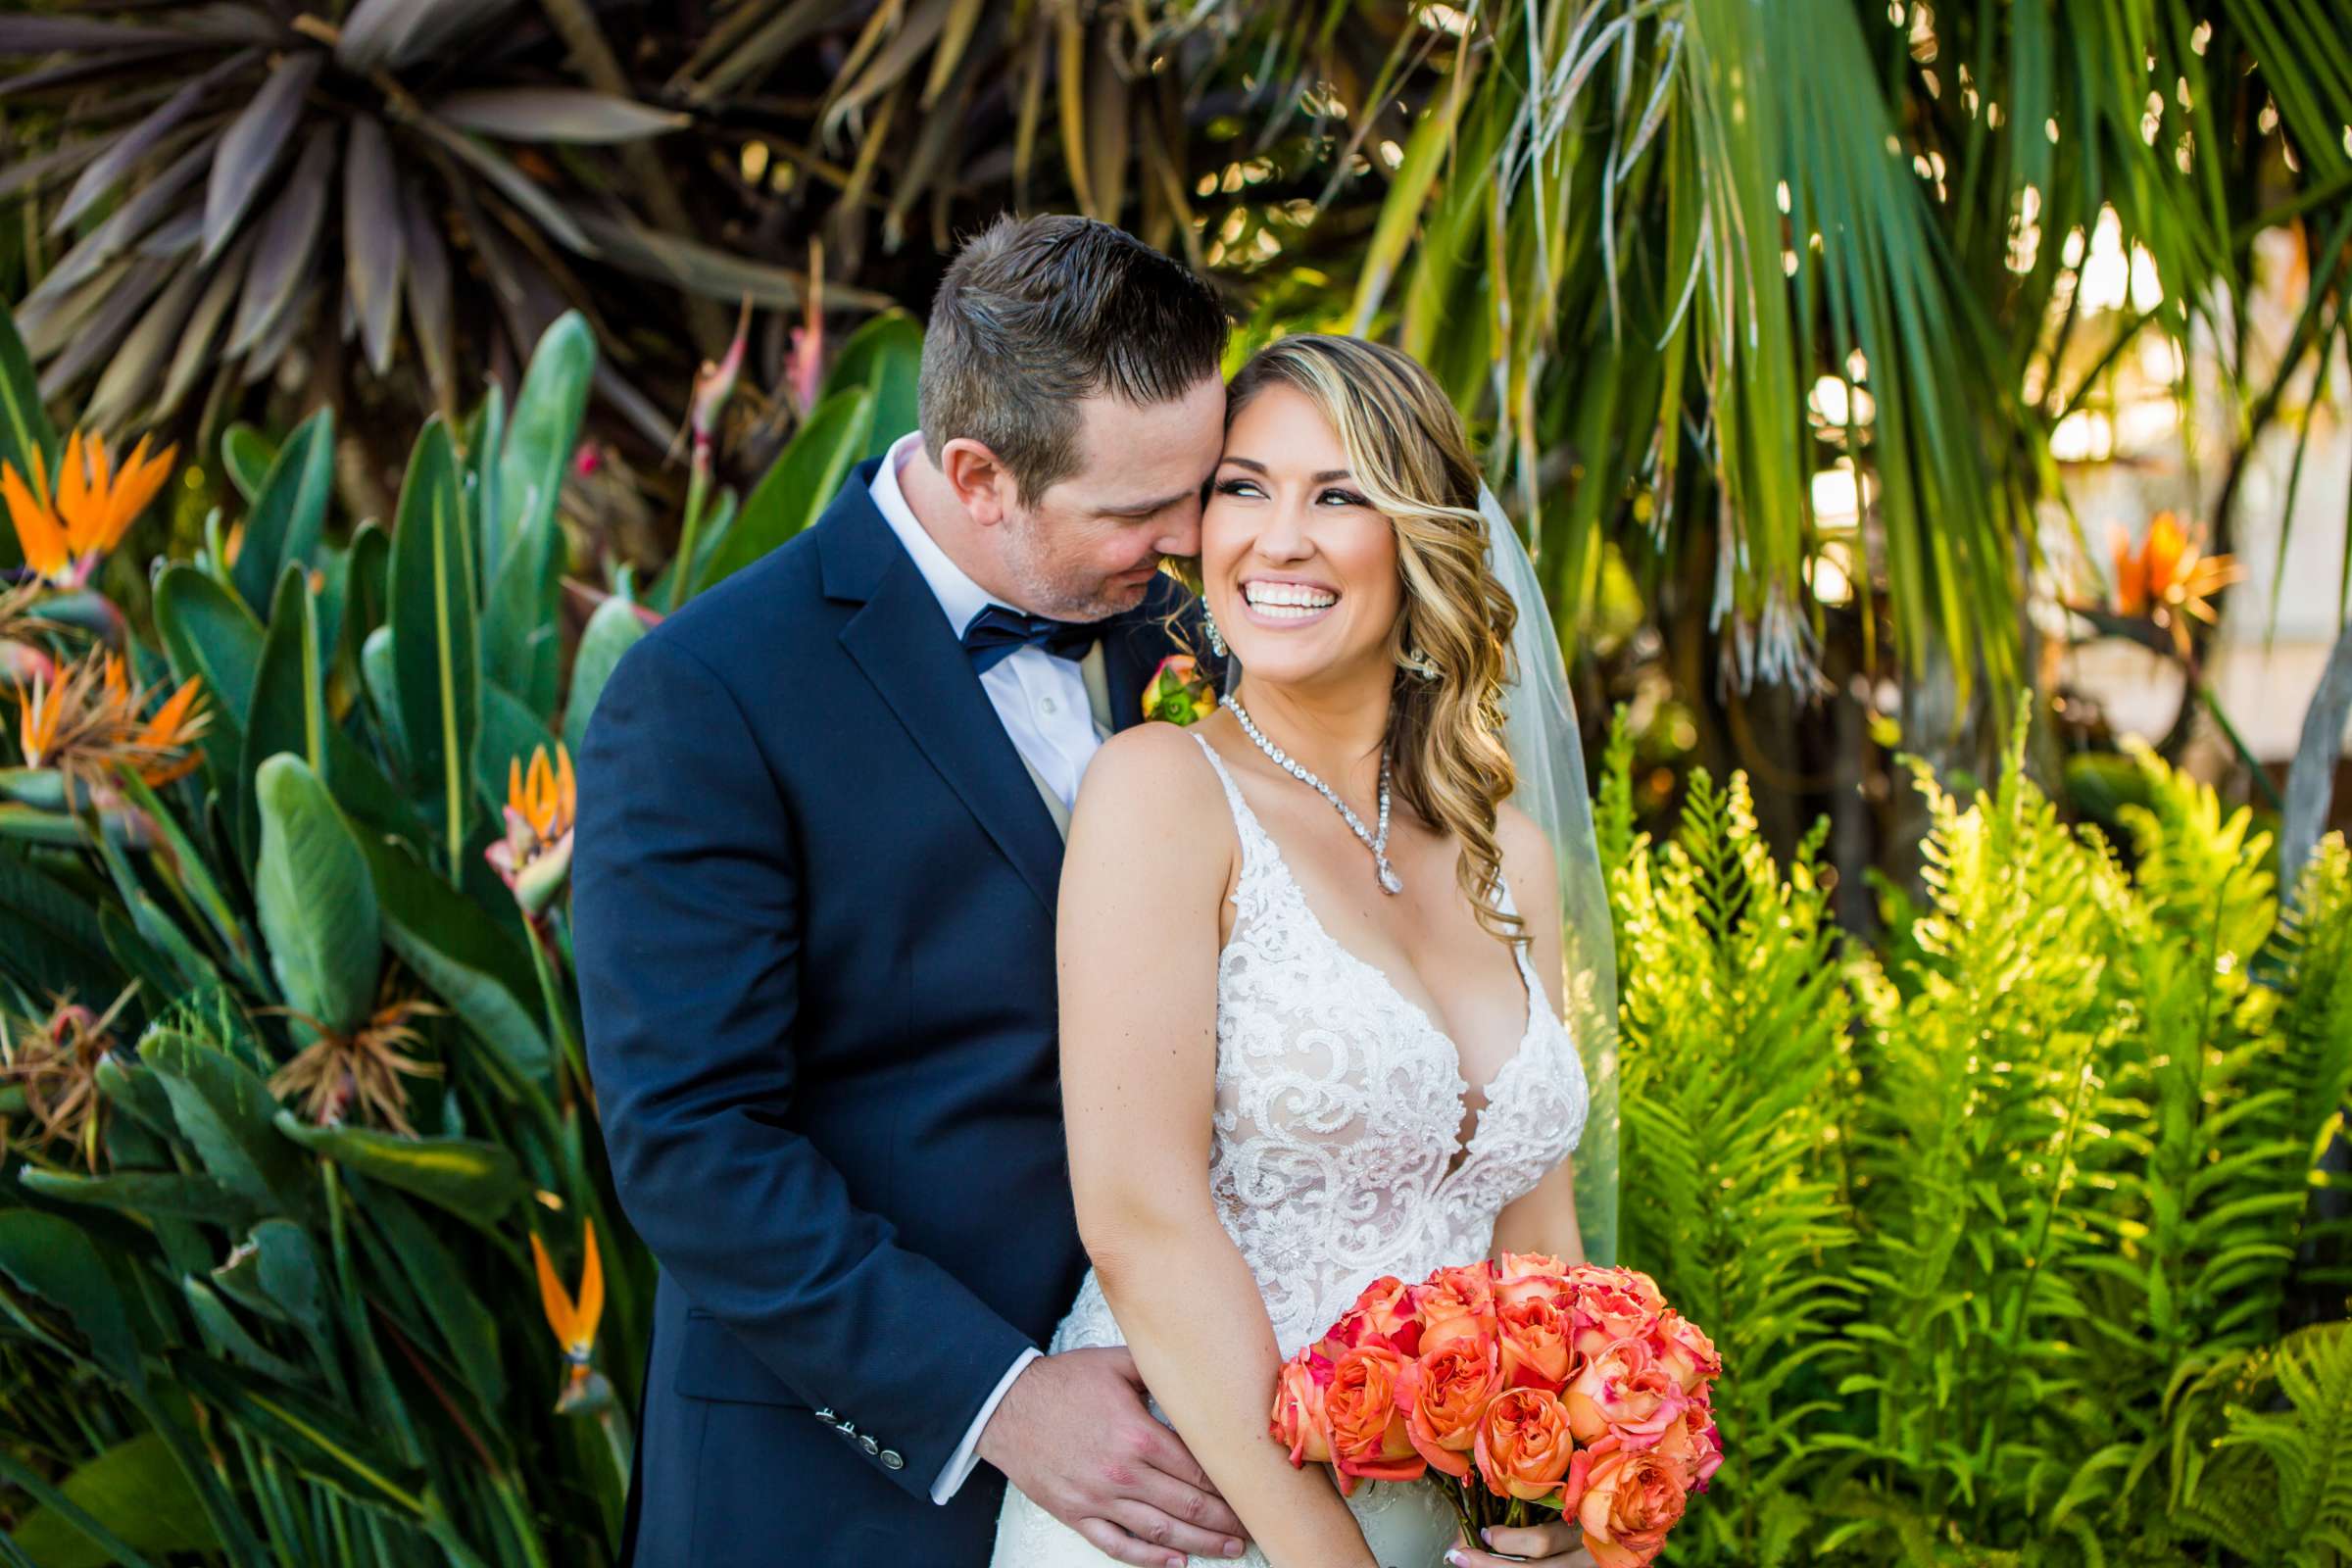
(1338, 1113)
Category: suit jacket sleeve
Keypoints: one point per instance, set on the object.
(687, 908)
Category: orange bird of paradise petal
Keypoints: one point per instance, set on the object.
(176, 724)
(39, 534)
(574, 1322)
(546, 796)
(100, 504)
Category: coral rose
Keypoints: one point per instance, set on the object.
(1683, 1350)
(1298, 1422)
(1534, 1342)
(1387, 1313)
(1628, 1501)
(1521, 1276)
(1456, 1302)
(1368, 1436)
(1443, 1394)
(1525, 1447)
(1623, 1392)
(1611, 1305)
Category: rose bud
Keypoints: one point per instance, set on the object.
(1443, 1395)
(1456, 1301)
(1298, 1423)
(1624, 1393)
(1368, 1435)
(1631, 1500)
(1535, 1344)
(1524, 1447)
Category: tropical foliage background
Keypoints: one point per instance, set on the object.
(378, 371)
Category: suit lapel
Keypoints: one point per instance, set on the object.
(902, 643)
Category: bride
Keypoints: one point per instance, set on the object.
(1311, 953)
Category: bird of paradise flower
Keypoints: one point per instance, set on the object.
(65, 531)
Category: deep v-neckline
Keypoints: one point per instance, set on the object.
(1465, 1150)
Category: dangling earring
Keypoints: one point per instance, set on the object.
(1208, 624)
(1419, 662)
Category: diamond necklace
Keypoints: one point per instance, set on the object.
(1377, 842)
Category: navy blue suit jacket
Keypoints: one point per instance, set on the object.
(813, 898)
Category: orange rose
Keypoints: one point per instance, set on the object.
(1611, 1305)
(1623, 1392)
(1368, 1435)
(1683, 1350)
(1298, 1422)
(1524, 1447)
(1525, 1276)
(1628, 1501)
(1535, 1348)
(1456, 1302)
(1443, 1394)
(1384, 1314)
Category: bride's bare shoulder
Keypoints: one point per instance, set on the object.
(1151, 774)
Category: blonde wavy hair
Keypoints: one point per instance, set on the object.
(1411, 458)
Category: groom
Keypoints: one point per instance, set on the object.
(818, 840)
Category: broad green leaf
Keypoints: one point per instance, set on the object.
(540, 438)
(289, 688)
(145, 1192)
(510, 731)
(289, 514)
(219, 1321)
(54, 1259)
(207, 631)
(468, 960)
(223, 1108)
(611, 632)
(801, 484)
(885, 356)
(134, 1491)
(316, 902)
(246, 456)
(478, 1181)
(383, 682)
(435, 651)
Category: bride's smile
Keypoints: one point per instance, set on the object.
(1297, 566)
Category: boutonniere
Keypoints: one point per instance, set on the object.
(1178, 692)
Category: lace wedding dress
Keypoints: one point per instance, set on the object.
(1338, 1110)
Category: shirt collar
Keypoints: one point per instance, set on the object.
(959, 597)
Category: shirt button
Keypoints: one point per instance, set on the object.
(1046, 704)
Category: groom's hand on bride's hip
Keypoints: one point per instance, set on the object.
(1072, 1433)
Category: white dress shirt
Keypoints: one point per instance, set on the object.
(1041, 702)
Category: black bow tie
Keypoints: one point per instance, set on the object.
(997, 632)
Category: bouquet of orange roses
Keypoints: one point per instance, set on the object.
(1513, 1385)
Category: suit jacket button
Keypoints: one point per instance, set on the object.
(826, 1416)
(891, 1459)
(869, 1444)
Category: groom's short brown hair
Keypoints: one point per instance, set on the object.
(1035, 313)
